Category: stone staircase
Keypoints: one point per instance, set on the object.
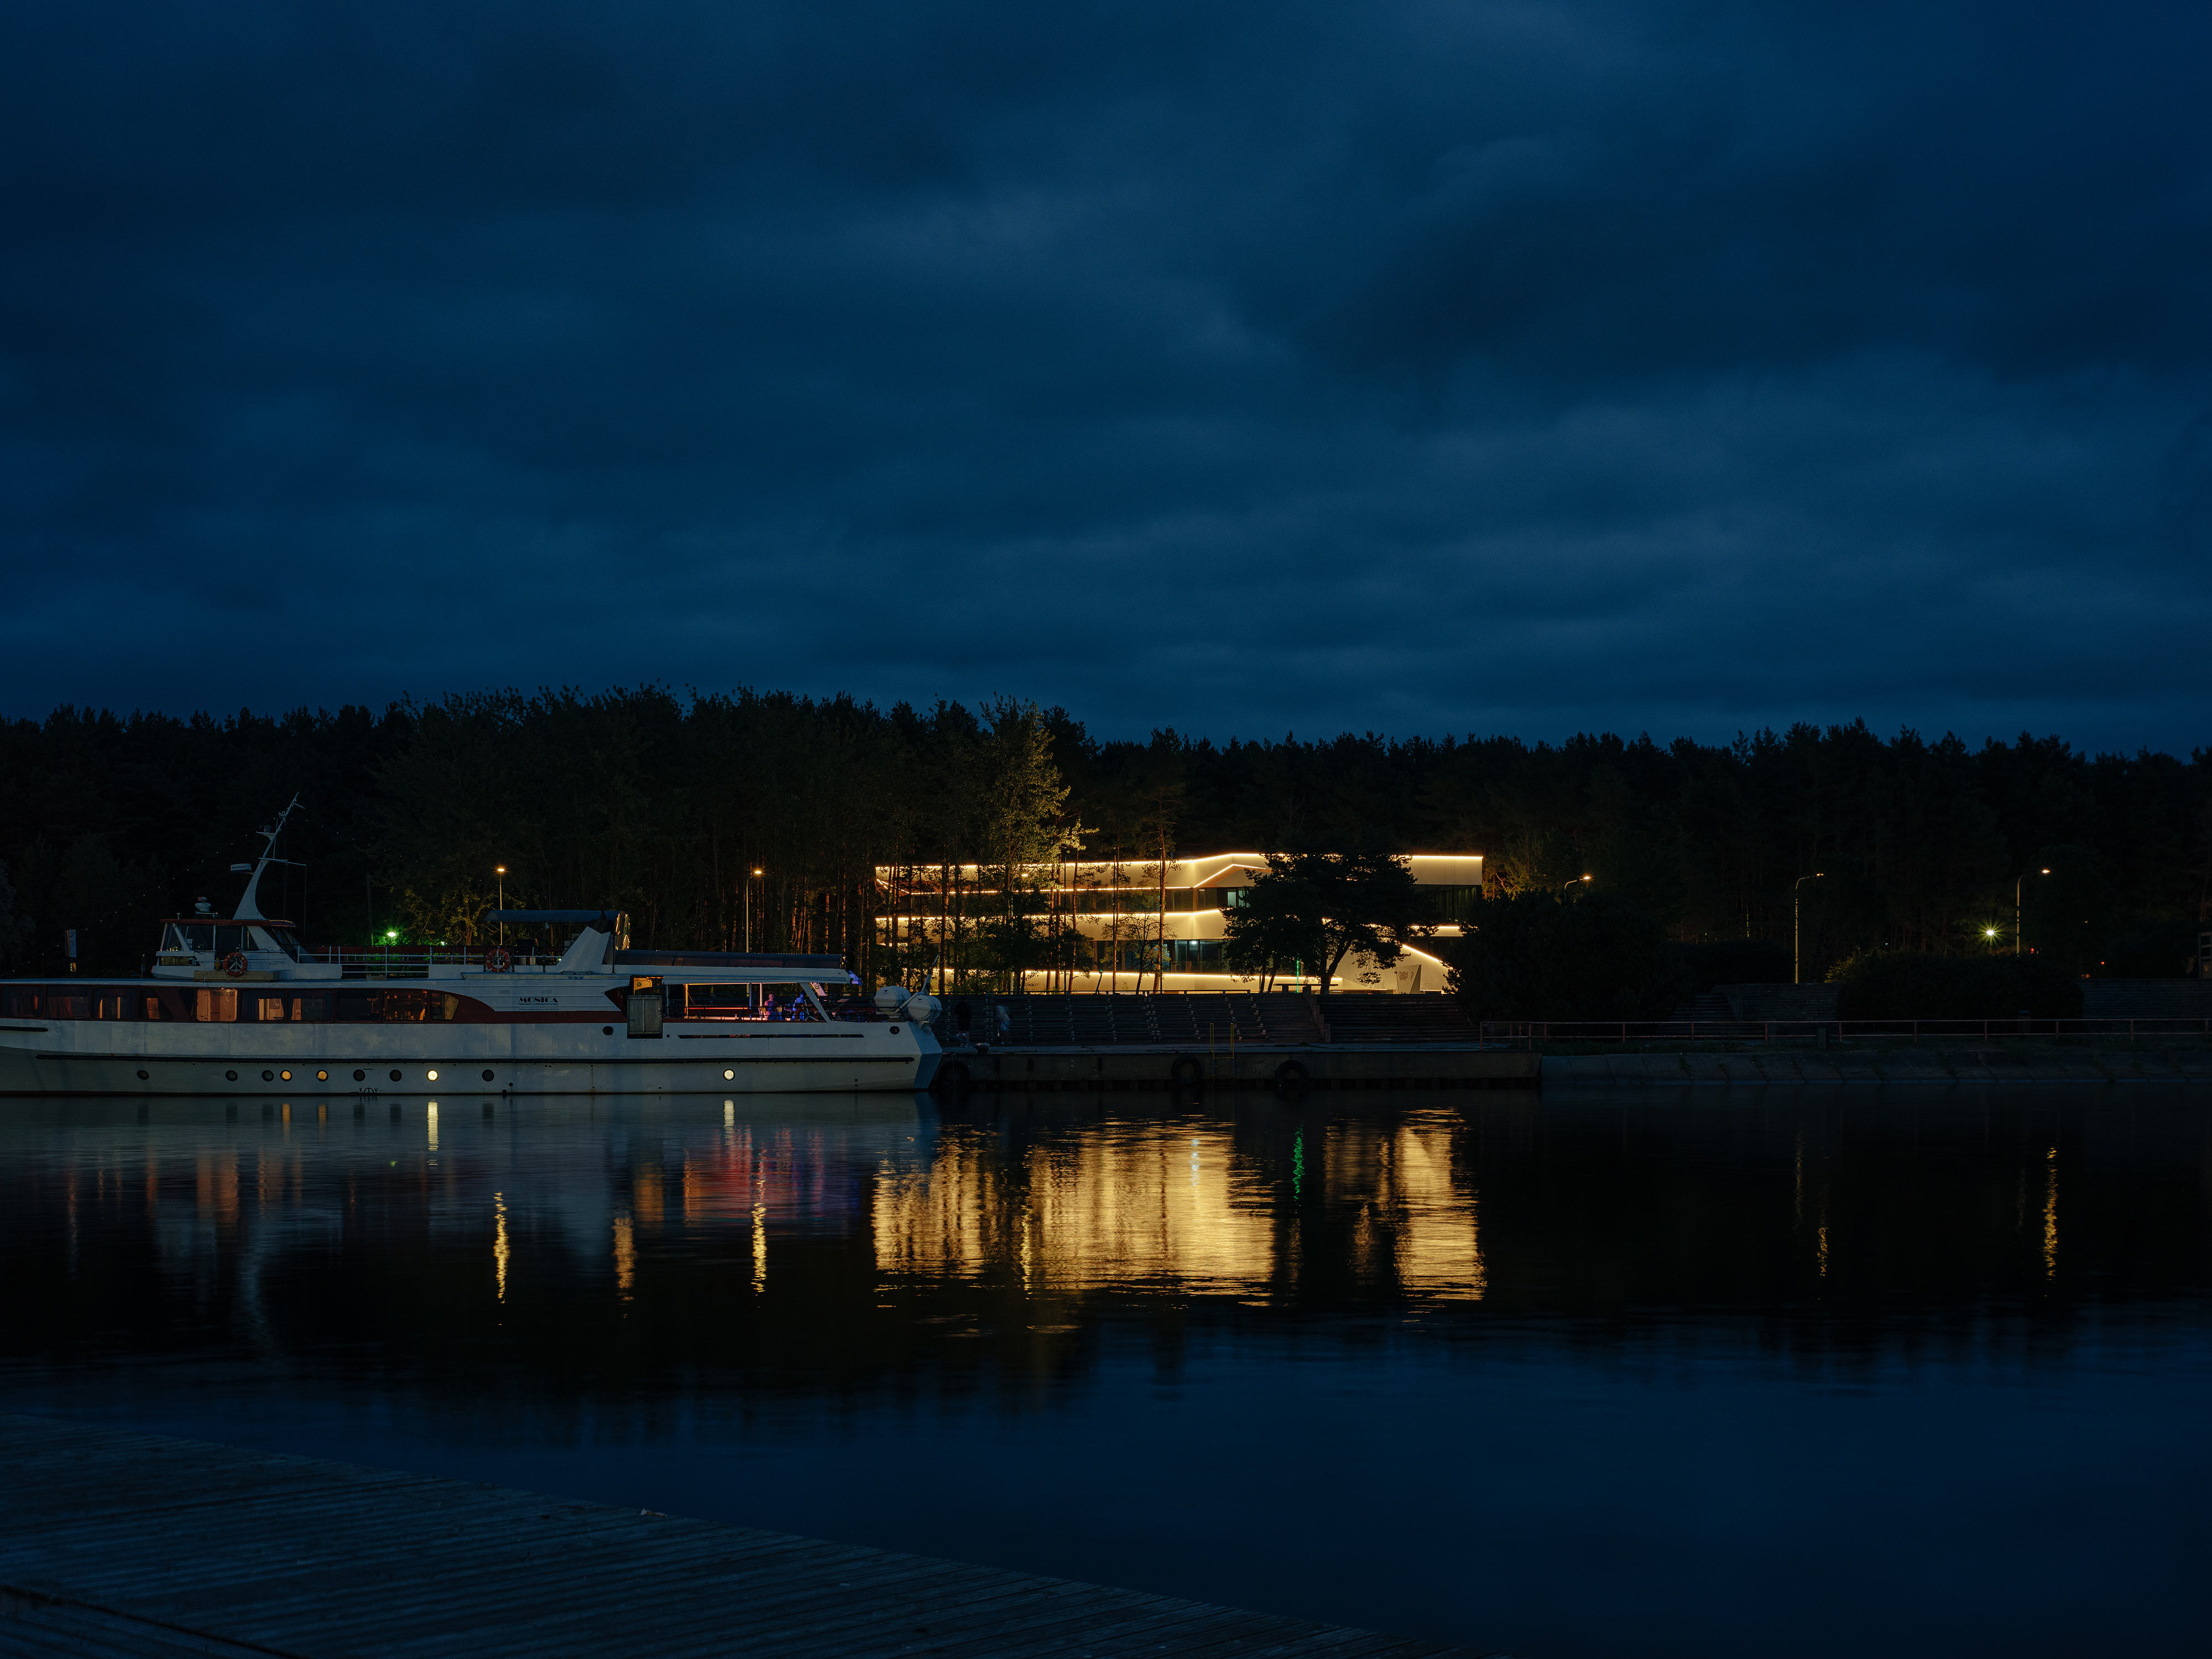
(1423, 1017)
(1082, 1020)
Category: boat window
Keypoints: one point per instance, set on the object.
(717, 1002)
(285, 940)
(317, 1008)
(843, 1002)
(68, 1005)
(268, 1010)
(157, 1009)
(786, 1002)
(172, 939)
(416, 1007)
(228, 939)
(195, 935)
(211, 1005)
(356, 1004)
(16, 1004)
(111, 1005)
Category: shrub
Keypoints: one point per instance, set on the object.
(2152, 949)
(1733, 962)
(1534, 956)
(1912, 985)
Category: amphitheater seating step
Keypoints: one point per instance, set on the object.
(1088, 1020)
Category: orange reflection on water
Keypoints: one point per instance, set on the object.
(1161, 1204)
(215, 1187)
(1182, 1205)
(625, 1257)
(2051, 1215)
(1412, 1217)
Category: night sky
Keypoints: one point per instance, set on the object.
(1248, 369)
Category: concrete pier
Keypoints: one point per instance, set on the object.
(1962, 1062)
(115, 1543)
(1289, 1069)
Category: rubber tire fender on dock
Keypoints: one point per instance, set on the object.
(951, 1078)
(1187, 1072)
(1291, 1078)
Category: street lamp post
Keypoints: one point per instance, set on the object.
(1576, 883)
(1797, 929)
(2015, 908)
(500, 871)
(749, 908)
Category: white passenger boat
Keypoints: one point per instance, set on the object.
(235, 1004)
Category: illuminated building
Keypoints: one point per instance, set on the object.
(1107, 925)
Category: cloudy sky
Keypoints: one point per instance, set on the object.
(1421, 367)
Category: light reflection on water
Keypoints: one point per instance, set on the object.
(1566, 1377)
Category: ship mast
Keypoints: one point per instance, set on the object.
(249, 905)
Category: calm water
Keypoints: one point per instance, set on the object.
(1812, 1374)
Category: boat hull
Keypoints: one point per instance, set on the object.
(96, 1058)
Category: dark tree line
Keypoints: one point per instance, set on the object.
(666, 806)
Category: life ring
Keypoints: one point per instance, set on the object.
(235, 964)
(497, 961)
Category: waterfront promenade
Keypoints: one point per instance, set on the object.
(118, 1543)
(1759, 1065)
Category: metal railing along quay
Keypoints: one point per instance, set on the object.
(1528, 1033)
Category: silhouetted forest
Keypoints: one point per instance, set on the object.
(665, 805)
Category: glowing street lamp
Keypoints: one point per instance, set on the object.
(1797, 929)
(749, 908)
(500, 871)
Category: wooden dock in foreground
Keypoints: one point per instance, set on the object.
(118, 1543)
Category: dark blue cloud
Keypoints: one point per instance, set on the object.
(1417, 365)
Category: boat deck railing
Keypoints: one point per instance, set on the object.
(380, 964)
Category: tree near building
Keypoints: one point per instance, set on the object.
(1535, 955)
(1331, 904)
(12, 932)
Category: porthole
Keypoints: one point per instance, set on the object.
(395, 1077)
(322, 1077)
(230, 1077)
(487, 1077)
(271, 1076)
(606, 1030)
(141, 1076)
(433, 1076)
(287, 1076)
(894, 1031)
(361, 1076)
(728, 1075)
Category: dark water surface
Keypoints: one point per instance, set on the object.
(1808, 1374)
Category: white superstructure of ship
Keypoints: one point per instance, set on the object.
(237, 1003)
